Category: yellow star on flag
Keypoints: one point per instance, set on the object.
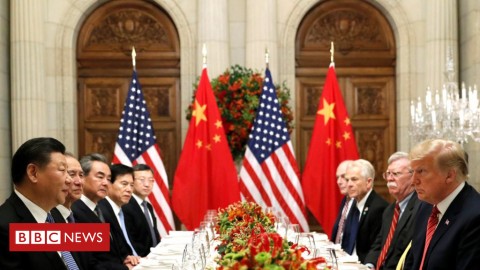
(327, 111)
(347, 121)
(338, 144)
(208, 147)
(218, 124)
(199, 112)
(199, 144)
(216, 138)
(329, 142)
(346, 135)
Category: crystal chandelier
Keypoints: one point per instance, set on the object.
(452, 113)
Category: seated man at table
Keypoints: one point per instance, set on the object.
(139, 215)
(363, 221)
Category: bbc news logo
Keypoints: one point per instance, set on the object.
(59, 236)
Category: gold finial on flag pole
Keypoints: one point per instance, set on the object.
(204, 54)
(332, 51)
(267, 57)
(134, 54)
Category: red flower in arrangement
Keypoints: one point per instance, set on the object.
(238, 92)
(248, 241)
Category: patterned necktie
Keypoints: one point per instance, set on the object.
(149, 221)
(99, 214)
(341, 223)
(431, 226)
(393, 226)
(66, 255)
(124, 231)
(70, 218)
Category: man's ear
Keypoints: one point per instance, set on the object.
(451, 176)
(32, 172)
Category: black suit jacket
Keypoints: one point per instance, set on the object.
(15, 211)
(83, 259)
(112, 260)
(83, 214)
(137, 227)
(456, 241)
(401, 237)
(370, 224)
(337, 220)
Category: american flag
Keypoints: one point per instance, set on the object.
(136, 145)
(269, 175)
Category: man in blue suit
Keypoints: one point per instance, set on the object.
(447, 228)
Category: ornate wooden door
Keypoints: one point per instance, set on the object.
(105, 69)
(365, 67)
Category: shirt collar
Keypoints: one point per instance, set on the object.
(137, 199)
(362, 202)
(404, 202)
(443, 205)
(88, 202)
(64, 211)
(38, 213)
(115, 207)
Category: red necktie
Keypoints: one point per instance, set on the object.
(383, 254)
(431, 226)
(341, 223)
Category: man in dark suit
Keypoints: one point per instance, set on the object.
(398, 218)
(62, 213)
(119, 193)
(139, 216)
(39, 174)
(447, 227)
(363, 220)
(96, 177)
(345, 205)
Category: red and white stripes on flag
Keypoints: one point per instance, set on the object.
(136, 145)
(270, 175)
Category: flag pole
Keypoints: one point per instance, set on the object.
(134, 54)
(204, 54)
(266, 57)
(332, 52)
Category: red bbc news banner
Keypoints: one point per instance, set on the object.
(59, 236)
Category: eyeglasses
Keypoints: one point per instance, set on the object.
(145, 180)
(394, 174)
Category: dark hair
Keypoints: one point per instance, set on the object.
(118, 170)
(87, 160)
(142, 167)
(37, 151)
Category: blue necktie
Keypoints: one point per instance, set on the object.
(149, 221)
(66, 255)
(351, 228)
(124, 230)
(70, 218)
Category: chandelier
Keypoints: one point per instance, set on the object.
(452, 113)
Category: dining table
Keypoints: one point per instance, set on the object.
(171, 253)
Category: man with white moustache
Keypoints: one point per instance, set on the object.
(345, 205)
(398, 218)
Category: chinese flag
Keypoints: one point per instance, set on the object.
(332, 142)
(206, 177)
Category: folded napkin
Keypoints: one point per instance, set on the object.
(348, 259)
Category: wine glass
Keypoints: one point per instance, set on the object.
(307, 240)
(293, 231)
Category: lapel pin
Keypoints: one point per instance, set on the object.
(447, 222)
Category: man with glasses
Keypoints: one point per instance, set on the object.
(139, 215)
(398, 217)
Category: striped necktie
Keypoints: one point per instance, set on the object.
(66, 255)
(341, 223)
(393, 226)
(431, 227)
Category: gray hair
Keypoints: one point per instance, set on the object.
(397, 156)
(87, 160)
(366, 168)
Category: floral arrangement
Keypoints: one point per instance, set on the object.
(248, 241)
(238, 92)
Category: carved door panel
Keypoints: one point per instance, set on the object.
(104, 69)
(365, 67)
